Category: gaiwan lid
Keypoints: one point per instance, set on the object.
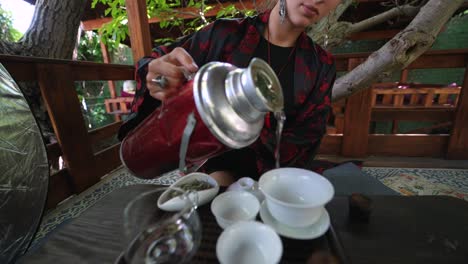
(232, 101)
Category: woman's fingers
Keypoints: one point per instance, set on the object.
(174, 67)
(181, 57)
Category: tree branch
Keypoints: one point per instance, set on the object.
(406, 10)
(400, 51)
(324, 23)
(331, 33)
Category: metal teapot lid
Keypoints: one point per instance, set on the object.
(232, 101)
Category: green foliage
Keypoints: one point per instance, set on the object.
(7, 32)
(168, 11)
(89, 48)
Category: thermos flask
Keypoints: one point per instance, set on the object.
(222, 108)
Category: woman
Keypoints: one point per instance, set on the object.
(305, 70)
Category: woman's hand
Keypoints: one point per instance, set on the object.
(173, 69)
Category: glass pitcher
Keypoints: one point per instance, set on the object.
(157, 236)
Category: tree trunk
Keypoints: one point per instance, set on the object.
(52, 34)
(400, 51)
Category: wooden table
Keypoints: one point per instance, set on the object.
(96, 236)
(401, 230)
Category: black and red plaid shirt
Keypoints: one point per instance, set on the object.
(234, 41)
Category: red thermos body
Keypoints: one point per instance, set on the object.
(222, 108)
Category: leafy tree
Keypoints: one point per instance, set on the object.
(89, 47)
(7, 32)
(116, 31)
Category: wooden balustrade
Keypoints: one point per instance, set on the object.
(118, 105)
(55, 78)
(386, 102)
(84, 168)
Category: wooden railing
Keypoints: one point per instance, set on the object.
(56, 78)
(410, 102)
(357, 112)
(118, 105)
(84, 168)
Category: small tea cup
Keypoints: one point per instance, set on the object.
(231, 207)
(249, 242)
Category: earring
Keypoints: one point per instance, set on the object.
(282, 11)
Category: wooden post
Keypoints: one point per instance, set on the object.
(58, 91)
(458, 143)
(138, 26)
(414, 100)
(404, 76)
(357, 120)
(106, 59)
(429, 98)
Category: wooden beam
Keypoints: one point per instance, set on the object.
(454, 58)
(108, 159)
(138, 26)
(374, 35)
(94, 24)
(58, 91)
(412, 114)
(59, 188)
(23, 68)
(53, 151)
(427, 130)
(393, 145)
(408, 145)
(331, 145)
(458, 144)
(183, 12)
(429, 61)
(421, 90)
(106, 58)
(404, 75)
(104, 132)
(83, 72)
(357, 119)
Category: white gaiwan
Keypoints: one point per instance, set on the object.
(295, 197)
(177, 203)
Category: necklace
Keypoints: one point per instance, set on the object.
(269, 56)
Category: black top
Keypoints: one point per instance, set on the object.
(280, 57)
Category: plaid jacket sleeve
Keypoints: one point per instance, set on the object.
(302, 141)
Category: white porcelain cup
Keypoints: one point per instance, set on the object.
(249, 243)
(231, 207)
(295, 197)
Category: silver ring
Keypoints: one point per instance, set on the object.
(161, 81)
